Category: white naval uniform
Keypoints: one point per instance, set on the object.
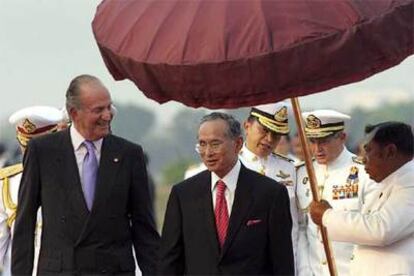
(6, 213)
(281, 169)
(384, 230)
(345, 185)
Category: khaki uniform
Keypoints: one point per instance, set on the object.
(9, 184)
(281, 169)
(346, 186)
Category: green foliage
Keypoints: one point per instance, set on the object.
(174, 171)
(133, 122)
(361, 118)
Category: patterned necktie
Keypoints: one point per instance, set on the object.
(89, 173)
(221, 213)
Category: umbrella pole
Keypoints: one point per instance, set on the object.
(313, 183)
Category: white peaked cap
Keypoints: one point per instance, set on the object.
(324, 122)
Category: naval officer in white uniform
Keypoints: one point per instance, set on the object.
(29, 122)
(342, 182)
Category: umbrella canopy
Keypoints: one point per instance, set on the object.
(232, 53)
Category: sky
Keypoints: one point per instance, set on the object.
(45, 43)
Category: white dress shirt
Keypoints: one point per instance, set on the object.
(80, 149)
(231, 183)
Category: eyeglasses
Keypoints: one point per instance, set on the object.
(214, 146)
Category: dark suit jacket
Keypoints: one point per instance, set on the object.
(258, 238)
(74, 240)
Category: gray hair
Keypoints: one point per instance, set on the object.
(233, 130)
(73, 91)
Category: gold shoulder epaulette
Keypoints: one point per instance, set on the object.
(11, 170)
(284, 157)
(300, 164)
(358, 160)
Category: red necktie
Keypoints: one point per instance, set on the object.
(221, 213)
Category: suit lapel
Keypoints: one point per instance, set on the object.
(240, 209)
(67, 177)
(108, 168)
(206, 209)
(68, 173)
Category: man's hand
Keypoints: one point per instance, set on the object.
(317, 209)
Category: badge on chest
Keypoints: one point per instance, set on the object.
(349, 189)
(284, 178)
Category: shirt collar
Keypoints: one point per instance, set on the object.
(407, 167)
(249, 155)
(77, 139)
(230, 179)
(343, 158)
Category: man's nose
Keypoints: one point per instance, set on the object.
(271, 137)
(209, 151)
(107, 114)
(316, 147)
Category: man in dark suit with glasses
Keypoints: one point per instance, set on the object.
(227, 219)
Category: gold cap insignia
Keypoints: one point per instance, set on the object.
(28, 126)
(282, 114)
(313, 122)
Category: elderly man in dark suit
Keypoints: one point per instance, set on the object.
(92, 187)
(227, 219)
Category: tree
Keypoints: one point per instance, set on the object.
(133, 122)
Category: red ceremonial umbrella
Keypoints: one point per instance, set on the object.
(233, 53)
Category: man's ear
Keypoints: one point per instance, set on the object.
(239, 144)
(390, 150)
(246, 125)
(342, 136)
(73, 114)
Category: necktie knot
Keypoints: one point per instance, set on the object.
(89, 146)
(221, 187)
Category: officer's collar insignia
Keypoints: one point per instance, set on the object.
(281, 115)
(28, 126)
(313, 122)
(282, 175)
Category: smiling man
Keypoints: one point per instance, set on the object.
(93, 190)
(341, 181)
(384, 229)
(227, 220)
